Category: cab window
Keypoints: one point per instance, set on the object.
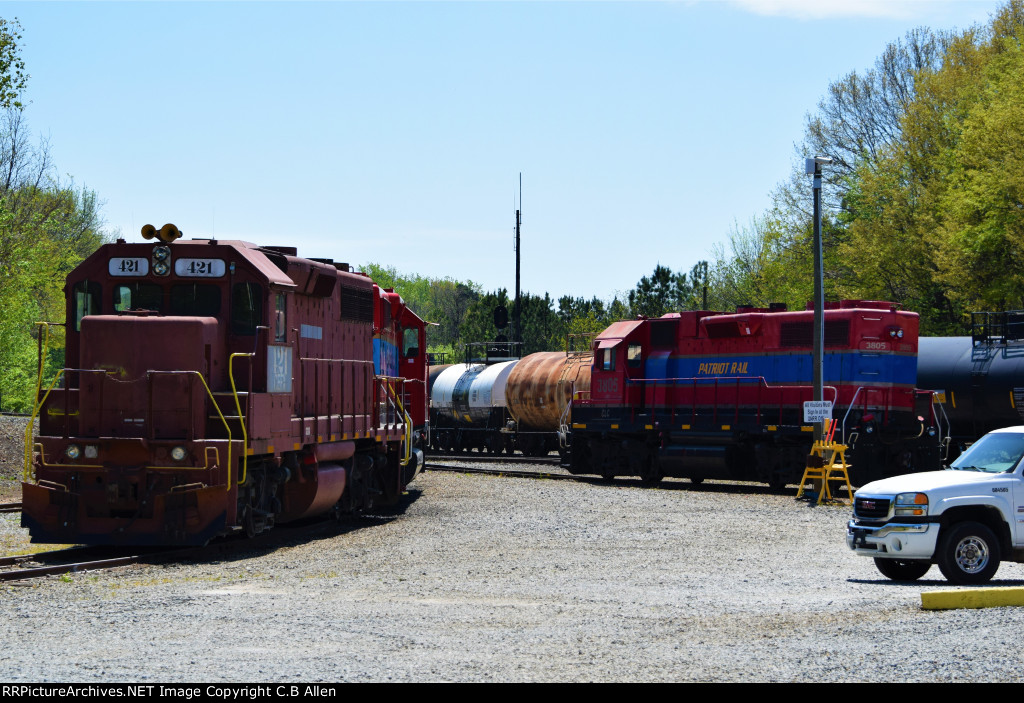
(195, 300)
(246, 308)
(634, 357)
(280, 318)
(138, 296)
(608, 363)
(86, 301)
(410, 342)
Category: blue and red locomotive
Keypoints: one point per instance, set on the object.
(214, 386)
(712, 395)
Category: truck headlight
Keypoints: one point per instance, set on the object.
(911, 504)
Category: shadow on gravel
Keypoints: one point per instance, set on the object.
(686, 485)
(929, 583)
(241, 548)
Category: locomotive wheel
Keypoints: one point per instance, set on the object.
(968, 553)
(650, 472)
(777, 480)
(249, 522)
(903, 569)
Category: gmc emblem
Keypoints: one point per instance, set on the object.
(867, 504)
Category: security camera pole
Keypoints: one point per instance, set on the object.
(814, 168)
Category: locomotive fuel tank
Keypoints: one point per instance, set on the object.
(541, 386)
(469, 393)
(982, 385)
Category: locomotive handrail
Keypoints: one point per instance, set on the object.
(563, 426)
(216, 407)
(330, 362)
(718, 385)
(206, 457)
(407, 452)
(241, 418)
(32, 421)
(106, 374)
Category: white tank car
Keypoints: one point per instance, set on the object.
(467, 394)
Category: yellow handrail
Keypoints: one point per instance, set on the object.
(26, 473)
(28, 430)
(241, 421)
(222, 419)
(407, 451)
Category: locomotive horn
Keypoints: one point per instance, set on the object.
(168, 233)
(148, 231)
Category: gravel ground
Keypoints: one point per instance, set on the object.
(12, 456)
(500, 579)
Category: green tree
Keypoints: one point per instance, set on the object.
(662, 292)
(13, 78)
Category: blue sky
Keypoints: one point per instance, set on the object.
(395, 132)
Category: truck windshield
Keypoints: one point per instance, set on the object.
(995, 452)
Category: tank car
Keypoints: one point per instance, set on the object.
(978, 379)
(517, 405)
(539, 396)
(715, 395)
(219, 386)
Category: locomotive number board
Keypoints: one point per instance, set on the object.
(200, 268)
(128, 266)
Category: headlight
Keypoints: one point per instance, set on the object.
(912, 504)
(73, 451)
(178, 453)
(160, 268)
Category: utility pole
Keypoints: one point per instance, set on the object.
(813, 167)
(518, 309)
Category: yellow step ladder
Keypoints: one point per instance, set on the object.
(826, 463)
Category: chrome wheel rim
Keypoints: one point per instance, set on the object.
(972, 555)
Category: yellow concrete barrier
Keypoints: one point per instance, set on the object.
(972, 598)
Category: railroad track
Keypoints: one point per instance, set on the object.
(495, 458)
(75, 559)
(84, 558)
(10, 507)
(515, 473)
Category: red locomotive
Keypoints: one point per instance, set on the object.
(214, 386)
(713, 395)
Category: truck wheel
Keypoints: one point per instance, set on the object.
(903, 569)
(968, 553)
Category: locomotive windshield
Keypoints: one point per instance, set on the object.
(195, 300)
(138, 296)
(996, 452)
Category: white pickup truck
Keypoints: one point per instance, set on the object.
(966, 518)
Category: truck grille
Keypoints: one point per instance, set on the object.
(871, 508)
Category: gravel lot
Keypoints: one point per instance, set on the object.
(500, 579)
(12, 458)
